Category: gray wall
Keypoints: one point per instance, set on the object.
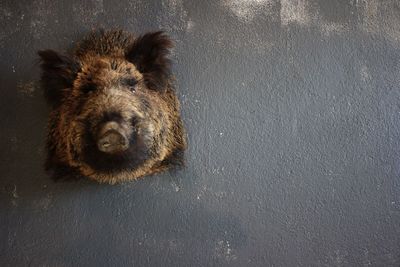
(293, 115)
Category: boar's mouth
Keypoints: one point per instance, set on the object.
(128, 159)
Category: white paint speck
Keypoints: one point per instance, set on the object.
(364, 72)
(6, 13)
(15, 196)
(190, 26)
(14, 192)
(175, 187)
(223, 250)
(367, 261)
(217, 170)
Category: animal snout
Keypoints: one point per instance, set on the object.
(111, 138)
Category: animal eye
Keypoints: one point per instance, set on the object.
(131, 83)
(89, 87)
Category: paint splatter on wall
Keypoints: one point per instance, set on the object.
(294, 11)
(246, 10)
(305, 13)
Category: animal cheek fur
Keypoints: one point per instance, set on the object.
(75, 142)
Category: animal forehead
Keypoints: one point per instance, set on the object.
(110, 67)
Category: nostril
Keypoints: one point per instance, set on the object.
(105, 144)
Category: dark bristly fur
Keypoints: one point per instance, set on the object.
(149, 54)
(112, 77)
(58, 74)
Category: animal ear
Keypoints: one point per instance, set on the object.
(149, 53)
(58, 74)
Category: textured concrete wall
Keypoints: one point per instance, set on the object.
(293, 115)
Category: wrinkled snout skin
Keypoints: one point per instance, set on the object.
(112, 138)
(114, 112)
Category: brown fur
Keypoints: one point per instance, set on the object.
(96, 83)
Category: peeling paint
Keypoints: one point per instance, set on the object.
(305, 14)
(295, 11)
(372, 20)
(246, 10)
(300, 12)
